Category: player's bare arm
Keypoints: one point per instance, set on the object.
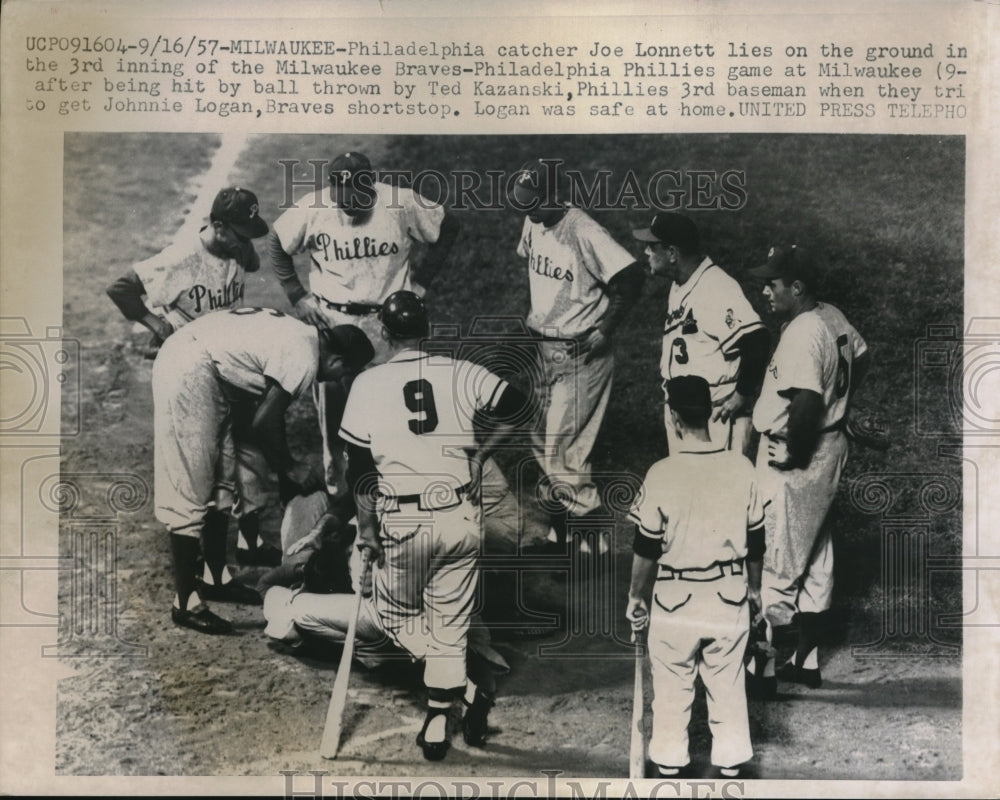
(753, 349)
(623, 292)
(640, 591)
(127, 293)
(437, 253)
(268, 428)
(805, 414)
(362, 479)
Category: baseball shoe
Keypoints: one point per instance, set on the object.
(232, 592)
(791, 673)
(263, 555)
(434, 751)
(474, 722)
(201, 619)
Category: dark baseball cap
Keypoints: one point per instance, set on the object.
(350, 342)
(531, 184)
(239, 209)
(345, 166)
(690, 393)
(790, 263)
(671, 228)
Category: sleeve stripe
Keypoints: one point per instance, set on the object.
(498, 390)
(347, 436)
(739, 332)
(645, 531)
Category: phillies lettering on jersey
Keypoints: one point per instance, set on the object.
(208, 299)
(360, 260)
(569, 264)
(358, 248)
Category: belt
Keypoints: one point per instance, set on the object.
(718, 570)
(450, 497)
(354, 309)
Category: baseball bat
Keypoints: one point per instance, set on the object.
(637, 749)
(338, 698)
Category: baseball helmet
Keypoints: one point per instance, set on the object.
(404, 315)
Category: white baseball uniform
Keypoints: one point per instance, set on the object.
(706, 317)
(569, 264)
(356, 260)
(184, 282)
(196, 370)
(415, 414)
(817, 351)
(699, 503)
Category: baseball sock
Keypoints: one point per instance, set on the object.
(213, 537)
(438, 704)
(184, 552)
(249, 535)
(806, 653)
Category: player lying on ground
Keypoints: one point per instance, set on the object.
(248, 355)
(309, 598)
(415, 467)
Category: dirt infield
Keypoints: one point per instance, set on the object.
(148, 698)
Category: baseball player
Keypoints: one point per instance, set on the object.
(696, 576)
(711, 329)
(416, 471)
(817, 366)
(582, 285)
(187, 280)
(245, 355)
(361, 238)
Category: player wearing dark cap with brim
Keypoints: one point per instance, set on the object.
(255, 357)
(814, 372)
(699, 542)
(711, 329)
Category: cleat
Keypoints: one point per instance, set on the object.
(201, 619)
(433, 751)
(474, 726)
(790, 673)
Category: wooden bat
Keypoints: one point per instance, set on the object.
(338, 699)
(637, 749)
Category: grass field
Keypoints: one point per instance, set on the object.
(884, 213)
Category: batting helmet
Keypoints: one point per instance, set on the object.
(404, 315)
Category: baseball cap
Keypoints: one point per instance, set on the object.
(671, 228)
(790, 263)
(239, 209)
(345, 166)
(531, 184)
(350, 342)
(689, 393)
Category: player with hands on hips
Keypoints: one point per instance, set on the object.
(254, 356)
(711, 329)
(582, 285)
(413, 460)
(696, 576)
(365, 240)
(814, 372)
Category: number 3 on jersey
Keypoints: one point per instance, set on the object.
(679, 351)
(419, 397)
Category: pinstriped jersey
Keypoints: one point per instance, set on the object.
(185, 281)
(700, 503)
(360, 260)
(415, 413)
(706, 316)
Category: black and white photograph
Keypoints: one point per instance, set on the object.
(514, 401)
(853, 644)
